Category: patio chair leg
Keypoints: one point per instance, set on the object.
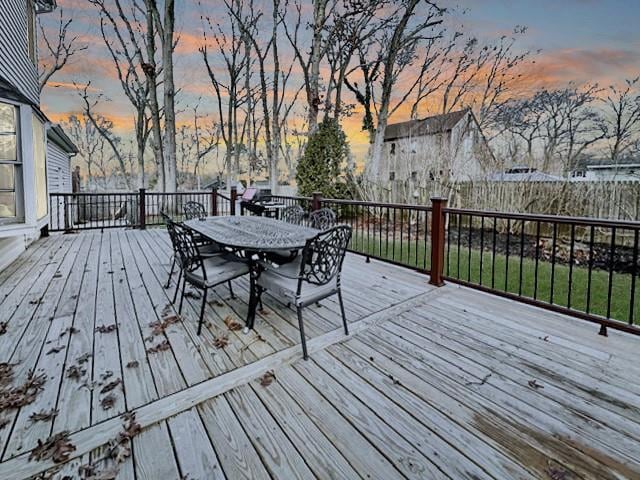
(184, 284)
(173, 264)
(231, 290)
(204, 303)
(344, 317)
(175, 294)
(303, 340)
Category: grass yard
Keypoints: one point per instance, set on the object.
(506, 276)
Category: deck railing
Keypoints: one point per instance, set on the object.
(583, 267)
(97, 211)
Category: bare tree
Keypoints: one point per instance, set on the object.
(58, 48)
(621, 120)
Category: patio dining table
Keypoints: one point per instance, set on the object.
(251, 237)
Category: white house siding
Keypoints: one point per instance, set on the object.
(15, 65)
(58, 169)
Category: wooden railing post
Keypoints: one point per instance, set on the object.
(438, 222)
(142, 209)
(214, 201)
(316, 201)
(233, 197)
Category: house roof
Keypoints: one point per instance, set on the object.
(57, 135)
(426, 126)
(10, 92)
(595, 163)
(533, 176)
(44, 6)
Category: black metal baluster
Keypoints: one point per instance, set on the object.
(408, 237)
(481, 246)
(426, 236)
(591, 239)
(393, 256)
(571, 256)
(611, 261)
(634, 272)
(459, 235)
(535, 274)
(493, 252)
(448, 246)
(469, 248)
(386, 253)
(506, 265)
(553, 260)
(521, 257)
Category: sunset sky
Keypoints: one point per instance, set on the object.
(580, 40)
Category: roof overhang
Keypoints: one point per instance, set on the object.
(614, 166)
(57, 135)
(44, 6)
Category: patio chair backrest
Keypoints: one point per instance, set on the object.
(187, 252)
(322, 219)
(194, 210)
(165, 218)
(293, 214)
(323, 255)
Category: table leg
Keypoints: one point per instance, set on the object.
(254, 295)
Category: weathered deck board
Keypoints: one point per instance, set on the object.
(432, 383)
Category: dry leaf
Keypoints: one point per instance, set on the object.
(43, 415)
(267, 379)
(57, 448)
(55, 350)
(231, 323)
(106, 328)
(162, 346)
(534, 384)
(217, 303)
(3, 328)
(111, 385)
(70, 331)
(106, 374)
(221, 342)
(133, 364)
(84, 358)
(4, 422)
(108, 402)
(75, 372)
(16, 397)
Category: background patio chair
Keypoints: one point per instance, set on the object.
(322, 219)
(314, 277)
(194, 210)
(293, 214)
(201, 272)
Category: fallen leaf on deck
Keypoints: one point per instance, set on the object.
(70, 331)
(232, 324)
(16, 397)
(55, 350)
(3, 328)
(534, 384)
(133, 364)
(43, 415)
(4, 422)
(267, 379)
(106, 374)
(106, 328)
(161, 347)
(192, 294)
(57, 448)
(111, 385)
(83, 358)
(221, 342)
(108, 402)
(6, 373)
(217, 303)
(35, 302)
(75, 372)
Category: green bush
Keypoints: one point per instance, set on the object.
(322, 167)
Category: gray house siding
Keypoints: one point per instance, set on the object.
(58, 169)
(15, 65)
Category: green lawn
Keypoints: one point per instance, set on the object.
(506, 276)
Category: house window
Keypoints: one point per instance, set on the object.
(392, 176)
(10, 166)
(31, 31)
(393, 148)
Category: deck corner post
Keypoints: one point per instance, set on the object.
(142, 214)
(316, 201)
(438, 204)
(234, 199)
(214, 201)
(603, 330)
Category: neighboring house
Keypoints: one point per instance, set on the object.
(522, 173)
(602, 169)
(449, 147)
(23, 138)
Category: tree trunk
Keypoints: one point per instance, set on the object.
(313, 99)
(169, 98)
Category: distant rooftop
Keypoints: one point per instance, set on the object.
(594, 163)
(426, 126)
(521, 173)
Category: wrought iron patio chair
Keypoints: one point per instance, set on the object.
(193, 210)
(322, 219)
(202, 272)
(314, 277)
(206, 248)
(293, 214)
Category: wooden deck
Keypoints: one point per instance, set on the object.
(431, 383)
